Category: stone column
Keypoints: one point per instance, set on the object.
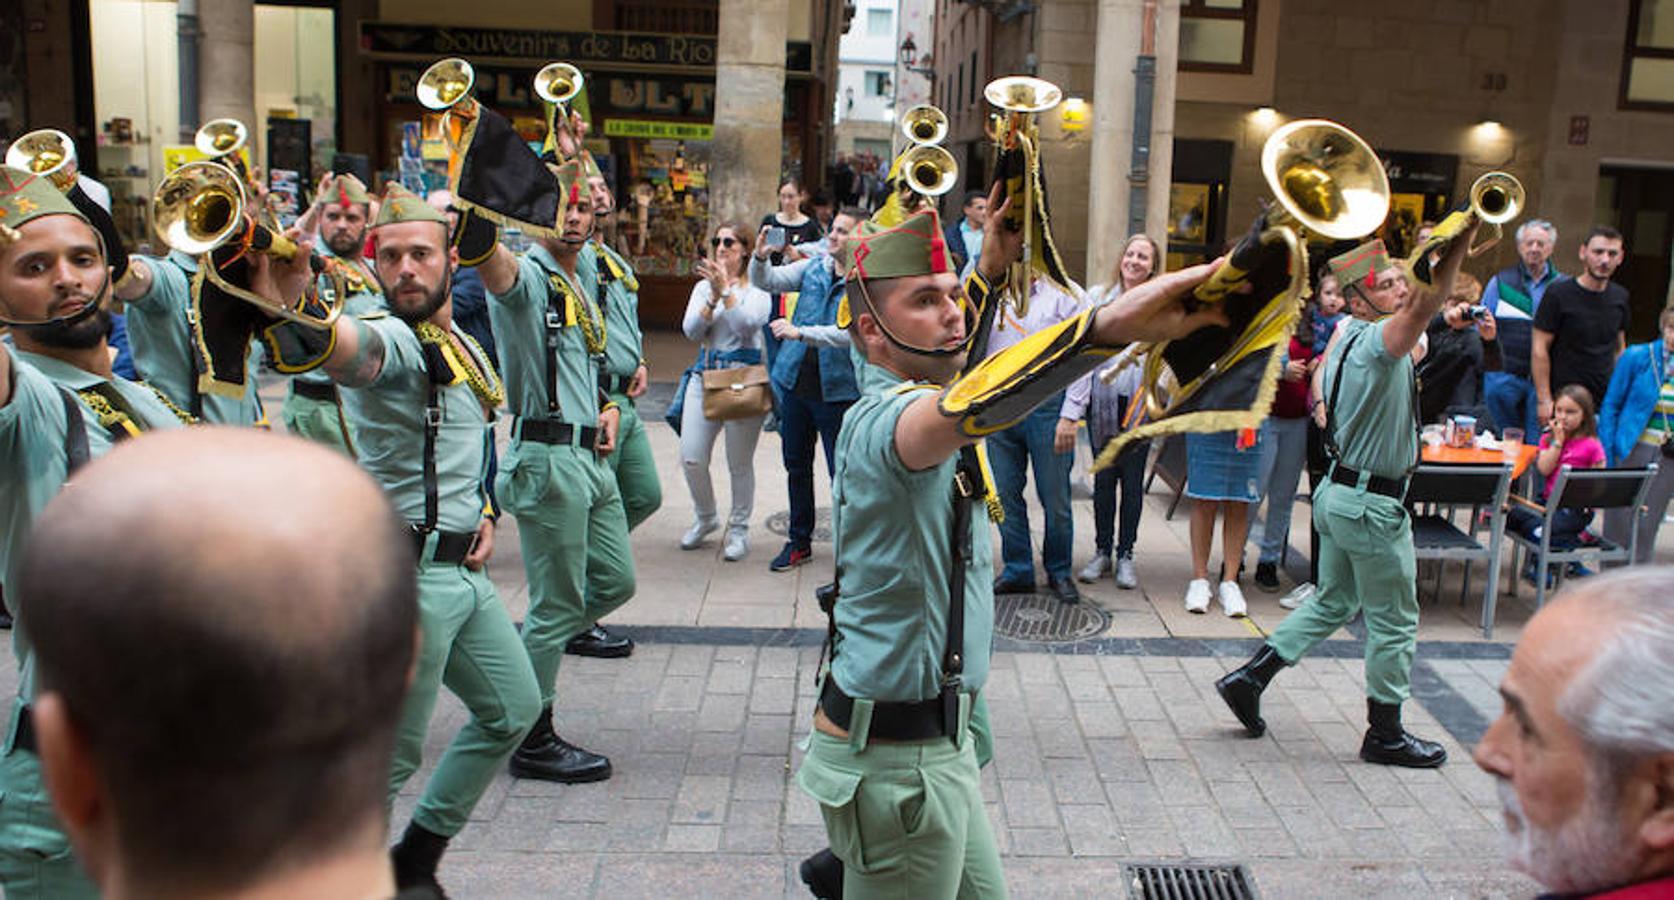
(226, 63)
(1112, 181)
(749, 110)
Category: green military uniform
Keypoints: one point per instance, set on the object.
(35, 855)
(312, 408)
(160, 328)
(632, 461)
(1366, 559)
(905, 816)
(424, 394)
(569, 510)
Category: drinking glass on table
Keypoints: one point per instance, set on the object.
(1511, 443)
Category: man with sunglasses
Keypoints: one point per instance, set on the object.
(813, 377)
(893, 759)
(1370, 397)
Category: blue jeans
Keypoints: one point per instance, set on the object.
(799, 421)
(1009, 451)
(1128, 472)
(1284, 448)
(1511, 400)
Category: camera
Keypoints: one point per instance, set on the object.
(1477, 312)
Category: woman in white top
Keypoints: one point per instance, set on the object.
(725, 315)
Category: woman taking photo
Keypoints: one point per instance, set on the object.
(725, 316)
(1106, 408)
(799, 228)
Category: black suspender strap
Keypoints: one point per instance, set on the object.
(967, 486)
(75, 433)
(554, 325)
(1332, 449)
(432, 426)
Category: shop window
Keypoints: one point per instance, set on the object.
(1648, 63)
(877, 84)
(880, 23)
(1217, 35)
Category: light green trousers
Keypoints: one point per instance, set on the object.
(574, 536)
(468, 644)
(1366, 565)
(317, 420)
(635, 467)
(906, 819)
(36, 862)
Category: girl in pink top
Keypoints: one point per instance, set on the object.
(1571, 440)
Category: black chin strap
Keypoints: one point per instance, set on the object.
(936, 353)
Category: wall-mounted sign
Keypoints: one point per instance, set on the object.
(1420, 173)
(621, 49)
(1579, 128)
(641, 128)
(510, 88)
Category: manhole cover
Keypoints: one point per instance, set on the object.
(1188, 882)
(779, 523)
(1043, 618)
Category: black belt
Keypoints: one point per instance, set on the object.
(451, 546)
(546, 431)
(895, 721)
(315, 390)
(1394, 488)
(614, 384)
(25, 737)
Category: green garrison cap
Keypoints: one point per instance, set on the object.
(1360, 265)
(345, 189)
(401, 205)
(572, 183)
(875, 252)
(25, 196)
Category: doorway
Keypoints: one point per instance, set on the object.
(1640, 202)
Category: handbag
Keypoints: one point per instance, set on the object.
(737, 393)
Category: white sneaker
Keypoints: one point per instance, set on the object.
(1302, 594)
(702, 528)
(738, 544)
(1232, 599)
(1197, 596)
(1095, 568)
(1126, 577)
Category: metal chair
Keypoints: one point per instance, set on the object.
(1434, 536)
(1595, 489)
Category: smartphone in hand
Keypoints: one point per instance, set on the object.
(775, 236)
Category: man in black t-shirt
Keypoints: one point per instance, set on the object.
(1581, 325)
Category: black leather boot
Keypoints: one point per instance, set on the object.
(1388, 744)
(1241, 688)
(415, 858)
(545, 756)
(823, 874)
(600, 643)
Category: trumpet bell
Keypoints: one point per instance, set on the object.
(928, 170)
(1023, 94)
(221, 137)
(1497, 197)
(445, 83)
(48, 153)
(924, 124)
(558, 82)
(1326, 178)
(197, 207)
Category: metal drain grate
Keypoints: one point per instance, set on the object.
(779, 524)
(1175, 881)
(1044, 619)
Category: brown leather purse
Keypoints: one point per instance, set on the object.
(736, 393)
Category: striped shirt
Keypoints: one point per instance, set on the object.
(1661, 426)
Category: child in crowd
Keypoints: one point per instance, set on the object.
(1328, 310)
(1571, 440)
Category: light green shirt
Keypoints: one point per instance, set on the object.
(33, 465)
(519, 320)
(1376, 415)
(388, 421)
(892, 529)
(359, 303)
(625, 344)
(160, 332)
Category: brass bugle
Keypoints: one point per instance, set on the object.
(48, 153)
(200, 207)
(924, 124)
(446, 83)
(929, 170)
(1495, 198)
(558, 83)
(221, 137)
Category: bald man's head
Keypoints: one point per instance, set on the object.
(227, 617)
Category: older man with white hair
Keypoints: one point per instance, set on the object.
(1584, 749)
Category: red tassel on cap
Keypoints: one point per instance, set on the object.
(938, 253)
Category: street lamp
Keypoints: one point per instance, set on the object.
(909, 56)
